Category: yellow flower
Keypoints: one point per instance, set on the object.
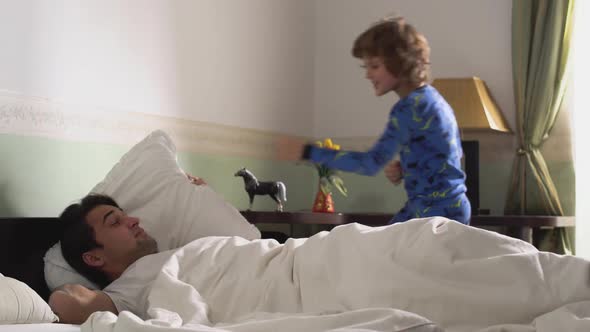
(327, 144)
(329, 177)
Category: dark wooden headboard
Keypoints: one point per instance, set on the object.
(23, 243)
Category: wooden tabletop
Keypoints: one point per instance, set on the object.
(379, 219)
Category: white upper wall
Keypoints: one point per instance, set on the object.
(467, 38)
(233, 62)
(278, 65)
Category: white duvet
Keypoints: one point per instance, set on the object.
(423, 275)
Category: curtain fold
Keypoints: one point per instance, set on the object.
(541, 31)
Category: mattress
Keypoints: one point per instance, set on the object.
(45, 327)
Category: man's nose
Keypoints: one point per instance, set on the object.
(131, 221)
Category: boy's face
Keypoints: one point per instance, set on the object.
(376, 72)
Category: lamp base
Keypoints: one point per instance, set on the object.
(471, 168)
(481, 212)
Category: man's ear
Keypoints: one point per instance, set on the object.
(92, 258)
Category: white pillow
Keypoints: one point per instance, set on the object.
(59, 272)
(149, 184)
(19, 304)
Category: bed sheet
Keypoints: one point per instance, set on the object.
(45, 327)
(439, 272)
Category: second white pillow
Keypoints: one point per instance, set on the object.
(19, 304)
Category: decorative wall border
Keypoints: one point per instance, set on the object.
(41, 117)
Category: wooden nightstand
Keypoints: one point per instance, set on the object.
(521, 227)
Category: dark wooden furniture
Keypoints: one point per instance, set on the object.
(521, 227)
(23, 243)
(524, 227)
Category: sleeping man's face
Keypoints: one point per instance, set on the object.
(123, 241)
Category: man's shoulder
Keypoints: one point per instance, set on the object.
(142, 271)
(155, 259)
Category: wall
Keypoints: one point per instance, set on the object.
(240, 63)
(467, 38)
(42, 176)
(84, 80)
(581, 117)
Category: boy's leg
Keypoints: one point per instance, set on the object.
(405, 213)
(458, 209)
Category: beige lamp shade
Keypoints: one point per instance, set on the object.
(474, 107)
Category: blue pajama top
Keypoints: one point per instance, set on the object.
(423, 129)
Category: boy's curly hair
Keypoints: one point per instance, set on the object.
(404, 50)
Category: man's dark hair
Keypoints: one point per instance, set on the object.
(78, 237)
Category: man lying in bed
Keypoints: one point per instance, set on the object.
(436, 268)
(100, 241)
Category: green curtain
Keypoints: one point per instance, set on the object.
(541, 31)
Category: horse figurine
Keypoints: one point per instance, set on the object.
(276, 190)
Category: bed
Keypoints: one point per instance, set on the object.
(41, 327)
(433, 249)
(141, 182)
(23, 242)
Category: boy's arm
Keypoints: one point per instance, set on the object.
(73, 304)
(365, 163)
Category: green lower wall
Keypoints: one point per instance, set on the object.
(219, 172)
(40, 176)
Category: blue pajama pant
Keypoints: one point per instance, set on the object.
(457, 208)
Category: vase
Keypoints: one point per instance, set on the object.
(323, 202)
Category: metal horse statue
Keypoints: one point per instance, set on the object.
(276, 190)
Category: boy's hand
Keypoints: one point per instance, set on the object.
(289, 148)
(394, 172)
